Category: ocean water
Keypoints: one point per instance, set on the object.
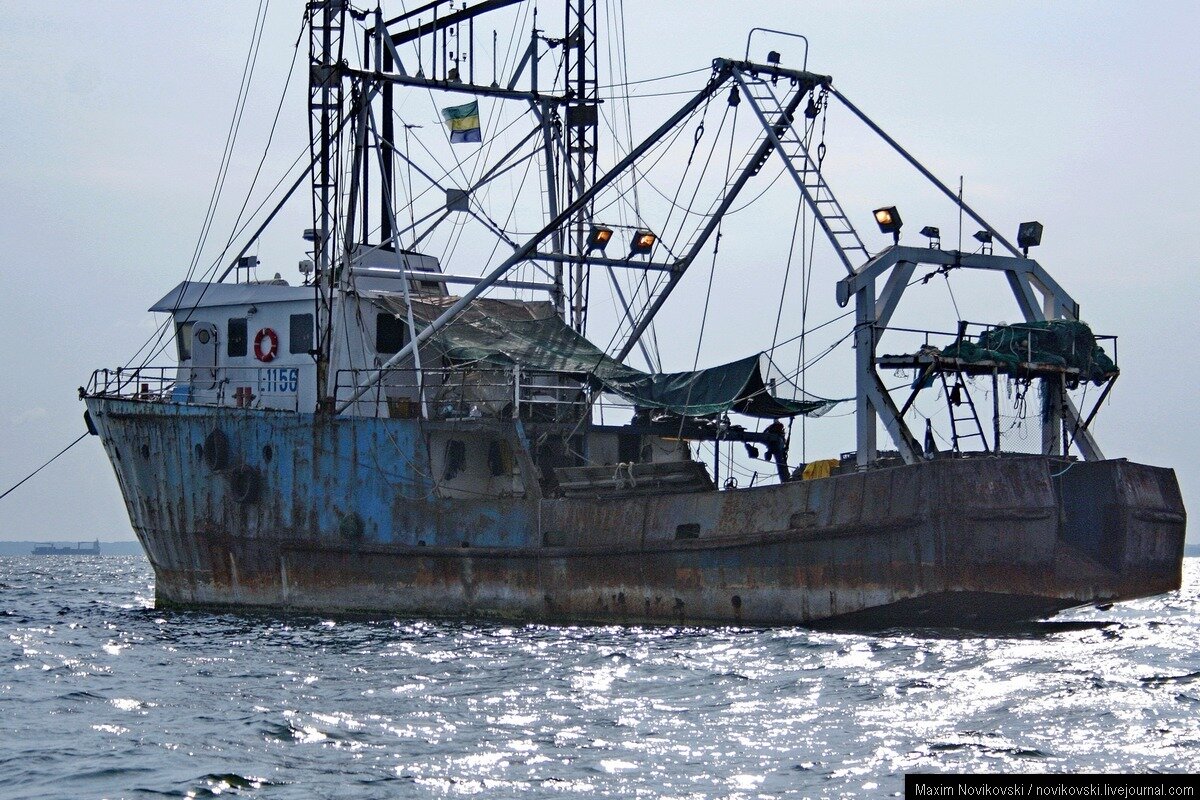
(103, 696)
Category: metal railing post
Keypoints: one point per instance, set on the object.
(516, 391)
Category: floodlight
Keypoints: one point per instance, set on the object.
(1029, 234)
(985, 240)
(933, 235)
(643, 243)
(598, 238)
(889, 221)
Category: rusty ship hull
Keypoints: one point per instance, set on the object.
(340, 518)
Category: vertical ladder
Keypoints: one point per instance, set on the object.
(788, 141)
(955, 436)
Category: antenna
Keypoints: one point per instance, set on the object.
(960, 211)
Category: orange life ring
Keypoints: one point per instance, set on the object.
(267, 335)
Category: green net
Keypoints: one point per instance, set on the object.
(1063, 343)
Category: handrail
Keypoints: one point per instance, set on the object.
(750, 36)
(171, 384)
(472, 392)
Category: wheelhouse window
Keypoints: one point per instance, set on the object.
(235, 340)
(390, 333)
(300, 333)
(183, 340)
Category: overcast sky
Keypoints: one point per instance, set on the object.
(1081, 115)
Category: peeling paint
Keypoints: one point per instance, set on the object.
(954, 540)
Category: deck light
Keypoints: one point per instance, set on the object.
(1029, 234)
(934, 236)
(889, 221)
(598, 238)
(985, 239)
(643, 243)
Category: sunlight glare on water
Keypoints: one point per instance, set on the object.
(103, 696)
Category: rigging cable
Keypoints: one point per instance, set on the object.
(266, 147)
(716, 248)
(235, 125)
(787, 271)
(806, 267)
(949, 289)
(627, 83)
(490, 137)
(155, 340)
(699, 133)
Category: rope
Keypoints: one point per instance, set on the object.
(646, 80)
(43, 466)
(953, 302)
(235, 125)
(787, 271)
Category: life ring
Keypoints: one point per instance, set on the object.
(266, 335)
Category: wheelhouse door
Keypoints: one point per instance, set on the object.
(204, 356)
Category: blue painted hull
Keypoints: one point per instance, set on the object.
(328, 514)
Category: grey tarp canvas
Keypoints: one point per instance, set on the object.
(531, 335)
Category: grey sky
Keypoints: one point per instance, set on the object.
(1081, 115)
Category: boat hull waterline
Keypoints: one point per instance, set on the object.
(338, 517)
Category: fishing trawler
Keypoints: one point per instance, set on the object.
(426, 423)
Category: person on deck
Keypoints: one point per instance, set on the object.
(777, 448)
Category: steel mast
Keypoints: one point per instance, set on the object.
(582, 87)
(326, 22)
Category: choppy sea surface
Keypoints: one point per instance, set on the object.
(103, 696)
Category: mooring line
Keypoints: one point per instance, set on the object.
(43, 466)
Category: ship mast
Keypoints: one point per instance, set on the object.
(580, 71)
(326, 24)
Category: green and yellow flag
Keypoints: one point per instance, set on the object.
(463, 122)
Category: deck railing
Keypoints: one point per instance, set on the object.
(225, 386)
(467, 392)
(973, 330)
(448, 393)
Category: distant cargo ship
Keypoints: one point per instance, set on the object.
(79, 549)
